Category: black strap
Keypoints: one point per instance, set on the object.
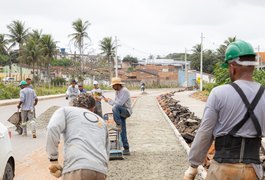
(250, 110)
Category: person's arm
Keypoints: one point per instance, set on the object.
(35, 99)
(55, 127)
(107, 143)
(21, 99)
(204, 136)
(123, 97)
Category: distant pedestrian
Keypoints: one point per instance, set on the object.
(81, 88)
(122, 109)
(98, 95)
(234, 118)
(86, 142)
(72, 92)
(28, 80)
(28, 100)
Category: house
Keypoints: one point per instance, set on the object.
(151, 74)
(261, 57)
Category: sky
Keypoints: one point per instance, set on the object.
(143, 27)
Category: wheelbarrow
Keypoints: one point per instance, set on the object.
(16, 120)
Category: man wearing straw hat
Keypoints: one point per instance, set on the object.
(122, 109)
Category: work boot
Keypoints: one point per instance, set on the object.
(126, 152)
(34, 135)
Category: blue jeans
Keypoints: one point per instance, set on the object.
(120, 114)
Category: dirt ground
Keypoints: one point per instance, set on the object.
(200, 95)
(155, 151)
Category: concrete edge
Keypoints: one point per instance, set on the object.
(201, 171)
(40, 98)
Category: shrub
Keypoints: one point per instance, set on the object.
(58, 81)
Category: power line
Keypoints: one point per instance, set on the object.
(135, 49)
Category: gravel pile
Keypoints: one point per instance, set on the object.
(43, 120)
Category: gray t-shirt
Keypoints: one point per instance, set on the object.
(223, 110)
(86, 142)
(27, 96)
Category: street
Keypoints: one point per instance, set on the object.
(27, 149)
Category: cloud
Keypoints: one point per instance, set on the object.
(143, 26)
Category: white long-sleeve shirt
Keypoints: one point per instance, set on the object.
(72, 92)
(122, 98)
(86, 142)
(223, 110)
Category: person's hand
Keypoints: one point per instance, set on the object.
(66, 97)
(106, 99)
(55, 169)
(190, 173)
(18, 106)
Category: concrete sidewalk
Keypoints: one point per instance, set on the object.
(194, 105)
(156, 153)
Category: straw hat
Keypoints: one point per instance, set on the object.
(116, 80)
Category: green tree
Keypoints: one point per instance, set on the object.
(108, 49)
(18, 35)
(3, 45)
(130, 59)
(79, 37)
(62, 62)
(4, 55)
(209, 59)
(33, 51)
(49, 50)
(222, 48)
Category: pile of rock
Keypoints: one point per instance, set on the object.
(184, 120)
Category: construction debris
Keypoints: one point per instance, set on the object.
(184, 120)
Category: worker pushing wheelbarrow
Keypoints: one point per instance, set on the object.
(26, 115)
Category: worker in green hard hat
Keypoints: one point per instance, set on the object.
(28, 101)
(234, 119)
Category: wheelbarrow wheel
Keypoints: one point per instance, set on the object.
(19, 130)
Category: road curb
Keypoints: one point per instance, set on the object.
(201, 171)
(40, 98)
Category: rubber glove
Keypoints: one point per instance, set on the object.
(190, 173)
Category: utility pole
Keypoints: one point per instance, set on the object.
(116, 57)
(258, 58)
(186, 69)
(201, 62)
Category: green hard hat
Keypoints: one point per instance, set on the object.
(23, 83)
(237, 49)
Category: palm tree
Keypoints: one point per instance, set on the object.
(230, 40)
(108, 49)
(49, 50)
(32, 51)
(196, 49)
(18, 35)
(4, 50)
(79, 36)
(222, 48)
(3, 44)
